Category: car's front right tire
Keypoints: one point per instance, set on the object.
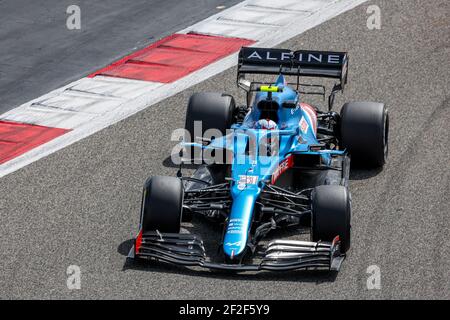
(162, 204)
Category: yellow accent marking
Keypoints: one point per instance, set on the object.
(269, 88)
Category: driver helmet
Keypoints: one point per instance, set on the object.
(266, 124)
(269, 144)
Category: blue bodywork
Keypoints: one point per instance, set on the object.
(250, 173)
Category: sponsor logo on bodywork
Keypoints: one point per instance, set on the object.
(245, 180)
(309, 57)
(311, 115)
(233, 244)
(303, 125)
(235, 226)
(282, 167)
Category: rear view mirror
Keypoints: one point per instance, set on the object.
(244, 84)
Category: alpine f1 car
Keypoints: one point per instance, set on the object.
(273, 163)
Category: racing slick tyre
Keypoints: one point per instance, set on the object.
(364, 132)
(331, 214)
(214, 110)
(162, 204)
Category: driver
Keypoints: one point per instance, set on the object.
(268, 145)
(266, 124)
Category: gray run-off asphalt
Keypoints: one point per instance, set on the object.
(80, 206)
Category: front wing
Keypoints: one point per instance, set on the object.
(280, 255)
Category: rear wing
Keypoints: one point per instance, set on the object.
(294, 63)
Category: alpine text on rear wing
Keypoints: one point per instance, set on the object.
(295, 63)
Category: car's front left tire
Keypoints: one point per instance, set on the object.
(209, 115)
(331, 214)
(365, 132)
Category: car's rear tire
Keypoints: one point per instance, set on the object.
(364, 132)
(214, 110)
(331, 214)
(162, 204)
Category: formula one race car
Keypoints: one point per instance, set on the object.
(273, 163)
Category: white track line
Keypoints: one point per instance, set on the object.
(92, 104)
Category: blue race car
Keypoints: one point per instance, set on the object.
(273, 163)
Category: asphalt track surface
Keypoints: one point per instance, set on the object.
(38, 53)
(80, 205)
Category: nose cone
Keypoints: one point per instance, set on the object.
(239, 223)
